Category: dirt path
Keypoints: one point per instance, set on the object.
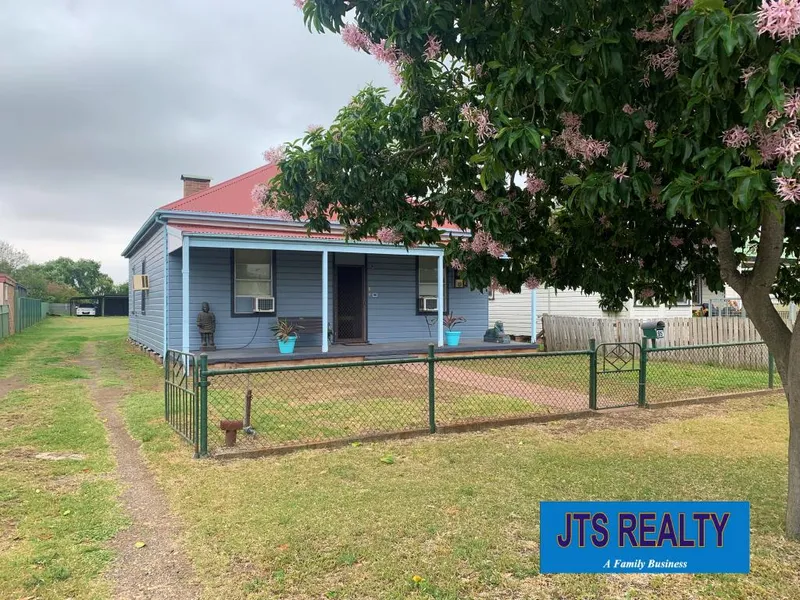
(160, 569)
(560, 399)
(10, 384)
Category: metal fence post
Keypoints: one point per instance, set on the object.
(166, 386)
(643, 374)
(431, 388)
(771, 361)
(203, 408)
(593, 374)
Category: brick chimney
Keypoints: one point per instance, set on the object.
(193, 184)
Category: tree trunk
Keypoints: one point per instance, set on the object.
(791, 385)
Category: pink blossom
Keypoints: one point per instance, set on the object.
(465, 244)
(389, 236)
(478, 71)
(789, 147)
(355, 37)
(433, 47)
(456, 265)
(660, 34)
(667, 61)
(495, 248)
(275, 155)
(311, 207)
(772, 118)
(792, 105)
(480, 242)
(651, 126)
(570, 120)
(532, 283)
(494, 285)
(603, 220)
(628, 109)
(641, 263)
(468, 113)
(675, 241)
(479, 118)
(433, 123)
(646, 293)
(641, 163)
(788, 189)
(769, 143)
(707, 241)
(300, 3)
(534, 184)
(748, 73)
(780, 19)
(480, 195)
(259, 194)
(621, 172)
(283, 215)
(736, 137)
(314, 128)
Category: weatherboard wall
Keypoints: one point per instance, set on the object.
(147, 328)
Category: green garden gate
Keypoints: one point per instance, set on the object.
(617, 375)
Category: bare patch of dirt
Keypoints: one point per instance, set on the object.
(11, 384)
(150, 561)
(57, 456)
(637, 418)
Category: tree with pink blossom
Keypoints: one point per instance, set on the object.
(598, 133)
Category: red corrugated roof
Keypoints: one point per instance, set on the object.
(233, 197)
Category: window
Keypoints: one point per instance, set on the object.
(428, 285)
(144, 292)
(252, 278)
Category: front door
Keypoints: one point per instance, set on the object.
(350, 325)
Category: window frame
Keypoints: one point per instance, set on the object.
(273, 286)
(446, 287)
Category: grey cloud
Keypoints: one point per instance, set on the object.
(104, 104)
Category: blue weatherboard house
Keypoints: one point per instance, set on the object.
(252, 270)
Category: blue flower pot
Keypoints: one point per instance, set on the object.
(287, 346)
(452, 337)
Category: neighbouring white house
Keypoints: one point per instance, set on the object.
(515, 310)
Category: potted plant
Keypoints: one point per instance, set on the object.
(286, 334)
(450, 321)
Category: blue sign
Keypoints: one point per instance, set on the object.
(645, 537)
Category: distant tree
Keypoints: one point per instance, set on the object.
(11, 259)
(121, 289)
(84, 275)
(33, 279)
(58, 292)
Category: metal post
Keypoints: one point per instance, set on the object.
(771, 361)
(202, 442)
(643, 374)
(593, 374)
(431, 388)
(166, 386)
(185, 304)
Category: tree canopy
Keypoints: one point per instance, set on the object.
(625, 147)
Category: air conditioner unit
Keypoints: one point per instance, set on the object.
(266, 304)
(430, 303)
(141, 282)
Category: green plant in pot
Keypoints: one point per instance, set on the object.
(286, 334)
(450, 321)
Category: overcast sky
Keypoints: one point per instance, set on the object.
(103, 105)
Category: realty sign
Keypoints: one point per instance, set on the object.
(645, 537)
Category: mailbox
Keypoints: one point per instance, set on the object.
(654, 330)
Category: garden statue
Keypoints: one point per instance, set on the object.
(497, 334)
(207, 324)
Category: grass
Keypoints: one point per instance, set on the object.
(669, 379)
(461, 511)
(458, 511)
(55, 516)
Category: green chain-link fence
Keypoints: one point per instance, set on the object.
(268, 409)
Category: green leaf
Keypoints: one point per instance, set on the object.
(682, 22)
(139, 545)
(575, 49)
(388, 459)
(709, 5)
(571, 180)
(742, 172)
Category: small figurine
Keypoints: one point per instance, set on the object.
(497, 334)
(207, 324)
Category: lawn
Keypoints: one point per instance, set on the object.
(56, 517)
(667, 378)
(461, 511)
(458, 511)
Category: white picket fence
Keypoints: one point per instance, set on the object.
(574, 333)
